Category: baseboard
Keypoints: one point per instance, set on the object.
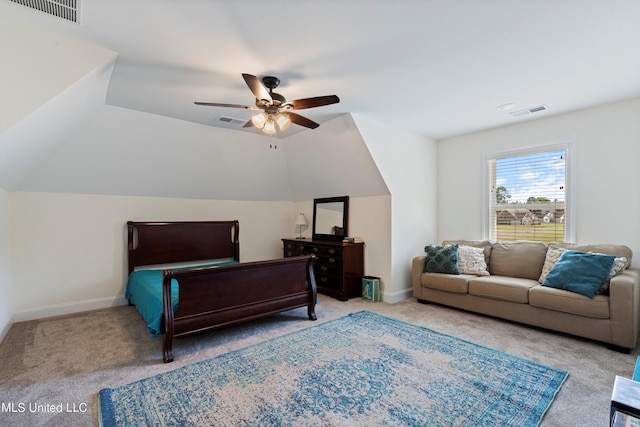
(5, 329)
(67, 308)
(397, 296)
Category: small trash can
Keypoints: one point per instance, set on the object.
(371, 288)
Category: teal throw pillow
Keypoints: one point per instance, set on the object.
(441, 259)
(580, 272)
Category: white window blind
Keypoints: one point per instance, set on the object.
(528, 197)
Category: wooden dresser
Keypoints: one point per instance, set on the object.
(338, 268)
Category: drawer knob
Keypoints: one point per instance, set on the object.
(323, 279)
(323, 268)
(332, 260)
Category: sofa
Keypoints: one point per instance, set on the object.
(537, 284)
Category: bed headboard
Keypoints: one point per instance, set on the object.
(171, 242)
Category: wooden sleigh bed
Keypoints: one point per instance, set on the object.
(205, 286)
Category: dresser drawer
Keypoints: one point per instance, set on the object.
(309, 249)
(333, 270)
(290, 253)
(334, 252)
(330, 261)
(292, 249)
(328, 282)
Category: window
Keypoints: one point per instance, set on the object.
(528, 195)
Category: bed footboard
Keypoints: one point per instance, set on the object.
(212, 298)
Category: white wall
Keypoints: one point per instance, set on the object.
(6, 309)
(369, 219)
(48, 85)
(37, 66)
(407, 162)
(332, 160)
(126, 152)
(69, 249)
(606, 172)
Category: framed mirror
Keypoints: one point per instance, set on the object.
(330, 218)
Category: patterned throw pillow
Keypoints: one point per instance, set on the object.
(553, 255)
(471, 261)
(441, 259)
(618, 266)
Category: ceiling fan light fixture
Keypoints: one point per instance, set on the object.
(283, 121)
(259, 120)
(269, 126)
(275, 115)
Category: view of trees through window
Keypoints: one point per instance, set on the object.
(527, 198)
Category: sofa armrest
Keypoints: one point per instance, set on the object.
(624, 308)
(417, 267)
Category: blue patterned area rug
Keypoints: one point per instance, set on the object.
(361, 369)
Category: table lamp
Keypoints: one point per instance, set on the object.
(301, 221)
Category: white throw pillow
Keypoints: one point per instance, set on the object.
(471, 261)
(552, 257)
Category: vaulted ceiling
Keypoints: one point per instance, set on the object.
(436, 68)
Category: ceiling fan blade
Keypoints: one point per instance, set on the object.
(248, 124)
(259, 91)
(217, 104)
(302, 121)
(318, 101)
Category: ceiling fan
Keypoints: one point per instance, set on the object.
(275, 108)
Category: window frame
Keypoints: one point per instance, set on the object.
(569, 146)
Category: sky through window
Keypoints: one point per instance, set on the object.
(533, 175)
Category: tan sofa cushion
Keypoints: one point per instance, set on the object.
(569, 302)
(518, 259)
(446, 282)
(502, 288)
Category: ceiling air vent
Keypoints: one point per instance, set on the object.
(65, 9)
(529, 110)
(231, 120)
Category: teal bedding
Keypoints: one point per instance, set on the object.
(144, 290)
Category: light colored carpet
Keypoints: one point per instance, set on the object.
(363, 369)
(61, 363)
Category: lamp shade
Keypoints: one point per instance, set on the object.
(283, 121)
(301, 219)
(269, 126)
(259, 120)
